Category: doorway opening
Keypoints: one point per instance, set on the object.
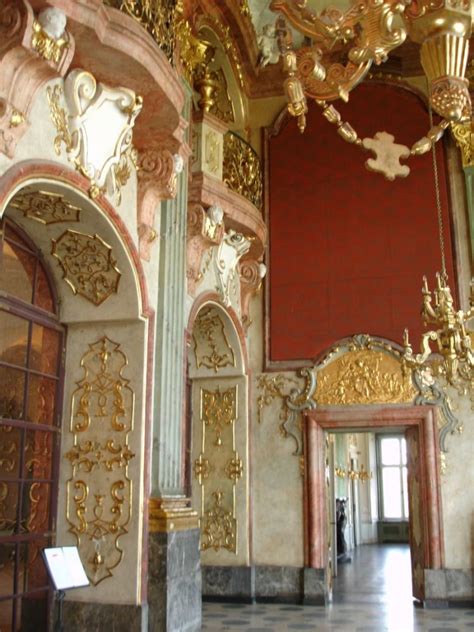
(369, 515)
(414, 468)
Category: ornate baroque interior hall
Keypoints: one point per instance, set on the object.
(237, 314)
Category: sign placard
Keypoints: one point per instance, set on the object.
(65, 567)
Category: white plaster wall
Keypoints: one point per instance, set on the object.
(277, 492)
(277, 484)
(457, 486)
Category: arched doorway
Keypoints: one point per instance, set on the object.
(31, 361)
(220, 440)
(103, 302)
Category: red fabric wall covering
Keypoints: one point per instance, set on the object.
(348, 248)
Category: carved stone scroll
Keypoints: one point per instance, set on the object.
(203, 232)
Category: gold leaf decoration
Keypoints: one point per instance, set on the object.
(88, 265)
(46, 207)
(242, 171)
(99, 490)
(211, 347)
(218, 527)
(363, 377)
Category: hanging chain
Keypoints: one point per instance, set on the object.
(444, 274)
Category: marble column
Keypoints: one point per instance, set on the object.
(174, 568)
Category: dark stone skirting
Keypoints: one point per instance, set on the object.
(266, 584)
(99, 617)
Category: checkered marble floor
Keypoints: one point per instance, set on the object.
(372, 593)
(370, 617)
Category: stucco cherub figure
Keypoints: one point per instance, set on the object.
(268, 45)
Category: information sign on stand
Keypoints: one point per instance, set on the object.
(66, 571)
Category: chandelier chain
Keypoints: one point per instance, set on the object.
(438, 205)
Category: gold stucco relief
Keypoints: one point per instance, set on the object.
(99, 490)
(218, 469)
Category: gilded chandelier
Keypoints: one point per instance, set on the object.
(450, 332)
(345, 44)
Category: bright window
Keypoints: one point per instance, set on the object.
(393, 477)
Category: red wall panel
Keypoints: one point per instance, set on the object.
(348, 248)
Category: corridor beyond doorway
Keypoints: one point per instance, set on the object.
(378, 573)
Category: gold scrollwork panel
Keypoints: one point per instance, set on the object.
(218, 468)
(211, 346)
(99, 490)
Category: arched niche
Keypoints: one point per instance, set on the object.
(102, 300)
(215, 346)
(219, 420)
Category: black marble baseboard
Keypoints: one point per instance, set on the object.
(174, 581)
(99, 617)
(266, 584)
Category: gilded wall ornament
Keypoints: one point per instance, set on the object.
(202, 468)
(242, 171)
(219, 469)
(49, 38)
(99, 490)
(218, 527)
(223, 107)
(211, 347)
(97, 130)
(234, 468)
(363, 377)
(218, 409)
(363, 371)
(88, 265)
(464, 135)
(46, 207)
(270, 388)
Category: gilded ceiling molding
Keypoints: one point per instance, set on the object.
(107, 161)
(88, 265)
(358, 371)
(251, 274)
(46, 207)
(211, 346)
(158, 170)
(205, 229)
(99, 489)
